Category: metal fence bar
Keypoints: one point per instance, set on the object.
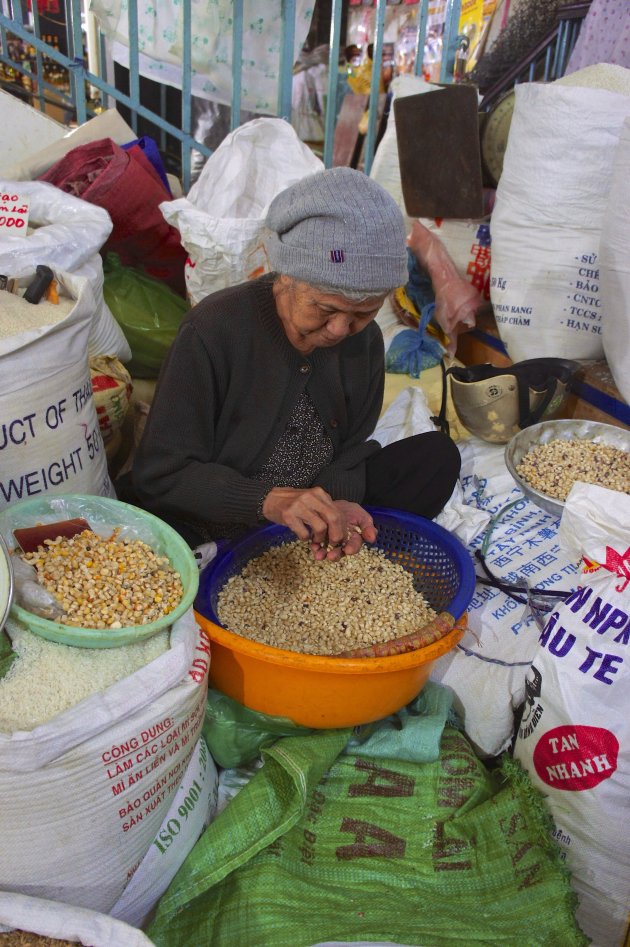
(186, 93)
(286, 59)
(18, 29)
(370, 140)
(134, 63)
(556, 58)
(16, 12)
(102, 59)
(77, 69)
(333, 82)
(39, 60)
(449, 40)
(162, 112)
(421, 36)
(563, 40)
(237, 59)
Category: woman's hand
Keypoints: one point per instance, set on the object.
(312, 514)
(359, 529)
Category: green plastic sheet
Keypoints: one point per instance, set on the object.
(148, 312)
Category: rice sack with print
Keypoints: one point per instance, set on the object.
(574, 734)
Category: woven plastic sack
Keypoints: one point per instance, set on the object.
(66, 234)
(128, 187)
(51, 440)
(547, 220)
(574, 733)
(84, 795)
(66, 923)
(111, 390)
(326, 845)
(221, 221)
(615, 268)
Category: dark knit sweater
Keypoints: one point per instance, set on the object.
(225, 393)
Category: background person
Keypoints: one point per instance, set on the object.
(268, 396)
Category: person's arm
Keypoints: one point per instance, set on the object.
(173, 468)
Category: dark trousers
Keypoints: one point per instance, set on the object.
(415, 475)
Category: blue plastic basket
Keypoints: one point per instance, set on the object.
(441, 566)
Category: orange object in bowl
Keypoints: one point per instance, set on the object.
(319, 691)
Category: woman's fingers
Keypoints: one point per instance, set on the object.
(336, 528)
(310, 513)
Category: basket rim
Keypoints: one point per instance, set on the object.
(457, 607)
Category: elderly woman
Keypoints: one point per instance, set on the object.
(265, 404)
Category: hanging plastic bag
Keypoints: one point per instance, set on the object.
(147, 311)
(456, 301)
(413, 350)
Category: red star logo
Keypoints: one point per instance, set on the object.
(619, 563)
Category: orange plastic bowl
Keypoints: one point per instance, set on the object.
(321, 691)
(318, 691)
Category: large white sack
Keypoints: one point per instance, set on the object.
(615, 268)
(84, 795)
(67, 235)
(487, 669)
(193, 807)
(27, 125)
(574, 735)
(109, 124)
(66, 922)
(50, 440)
(221, 221)
(548, 216)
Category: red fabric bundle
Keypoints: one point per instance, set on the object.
(127, 185)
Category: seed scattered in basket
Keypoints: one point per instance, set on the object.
(554, 467)
(106, 582)
(286, 599)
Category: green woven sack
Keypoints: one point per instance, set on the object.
(327, 845)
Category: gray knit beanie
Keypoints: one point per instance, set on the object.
(338, 228)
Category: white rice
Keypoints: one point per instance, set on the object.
(17, 315)
(47, 678)
(603, 75)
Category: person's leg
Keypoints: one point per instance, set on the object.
(417, 474)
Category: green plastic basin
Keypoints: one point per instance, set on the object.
(103, 514)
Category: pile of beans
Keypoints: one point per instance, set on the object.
(554, 467)
(286, 599)
(106, 582)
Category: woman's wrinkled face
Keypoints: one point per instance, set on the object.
(313, 319)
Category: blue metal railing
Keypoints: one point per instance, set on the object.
(548, 60)
(75, 99)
